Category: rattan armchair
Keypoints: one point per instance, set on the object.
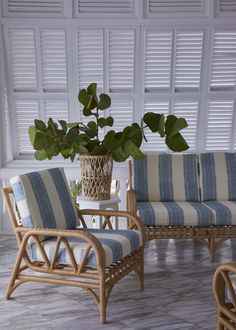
(224, 286)
(79, 253)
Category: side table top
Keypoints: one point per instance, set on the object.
(114, 199)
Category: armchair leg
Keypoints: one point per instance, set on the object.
(15, 272)
(103, 301)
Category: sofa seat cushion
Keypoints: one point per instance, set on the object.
(116, 243)
(224, 212)
(166, 178)
(44, 200)
(174, 214)
(218, 176)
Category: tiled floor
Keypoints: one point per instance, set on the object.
(177, 295)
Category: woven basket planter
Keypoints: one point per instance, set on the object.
(96, 175)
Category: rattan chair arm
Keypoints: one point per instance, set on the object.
(131, 201)
(221, 280)
(66, 233)
(134, 221)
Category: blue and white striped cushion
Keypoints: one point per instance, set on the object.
(167, 177)
(224, 212)
(44, 200)
(218, 176)
(174, 214)
(116, 243)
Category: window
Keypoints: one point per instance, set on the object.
(169, 56)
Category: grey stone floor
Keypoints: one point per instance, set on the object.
(177, 295)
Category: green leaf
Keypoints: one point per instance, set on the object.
(104, 101)
(119, 155)
(102, 122)
(83, 97)
(131, 149)
(63, 125)
(40, 141)
(39, 124)
(40, 154)
(132, 133)
(173, 125)
(155, 122)
(176, 143)
(32, 130)
(92, 90)
(66, 153)
(92, 125)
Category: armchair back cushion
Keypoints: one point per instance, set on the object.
(166, 178)
(43, 199)
(218, 176)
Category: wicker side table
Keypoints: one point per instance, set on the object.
(108, 204)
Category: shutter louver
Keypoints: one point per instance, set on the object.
(121, 61)
(105, 7)
(53, 57)
(223, 72)
(188, 60)
(57, 110)
(189, 111)
(157, 61)
(23, 59)
(155, 142)
(227, 7)
(26, 112)
(219, 125)
(122, 112)
(177, 7)
(32, 8)
(90, 58)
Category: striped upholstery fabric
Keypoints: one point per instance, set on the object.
(174, 214)
(218, 176)
(44, 200)
(116, 243)
(166, 177)
(224, 212)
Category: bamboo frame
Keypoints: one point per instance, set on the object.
(97, 281)
(226, 310)
(211, 236)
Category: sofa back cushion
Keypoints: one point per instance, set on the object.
(166, 177)
(43, 199)
(218, 176)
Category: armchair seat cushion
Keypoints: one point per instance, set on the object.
(224, 212)
(116, 243)
(174, 214)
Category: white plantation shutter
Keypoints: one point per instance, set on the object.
(121, 60)
(225, 7)
(219, 125)
(155, 8)
(223, 72)
(122, 112)
(57, 110)
(188, 55)
(155, 142)
(90, 57)
(54, 62)
(188, 110)
(32, 8)
(158, 48)
(26, 112)
(23, 59)
(105, 7)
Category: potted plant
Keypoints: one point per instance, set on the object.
(97, 155)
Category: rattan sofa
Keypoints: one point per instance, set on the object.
(56, 251)
(185, 196)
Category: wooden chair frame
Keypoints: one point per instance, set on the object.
(96, 281)
(226, 310)
(211, 236)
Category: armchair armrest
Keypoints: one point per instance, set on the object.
(133, 221)
(222, 282)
